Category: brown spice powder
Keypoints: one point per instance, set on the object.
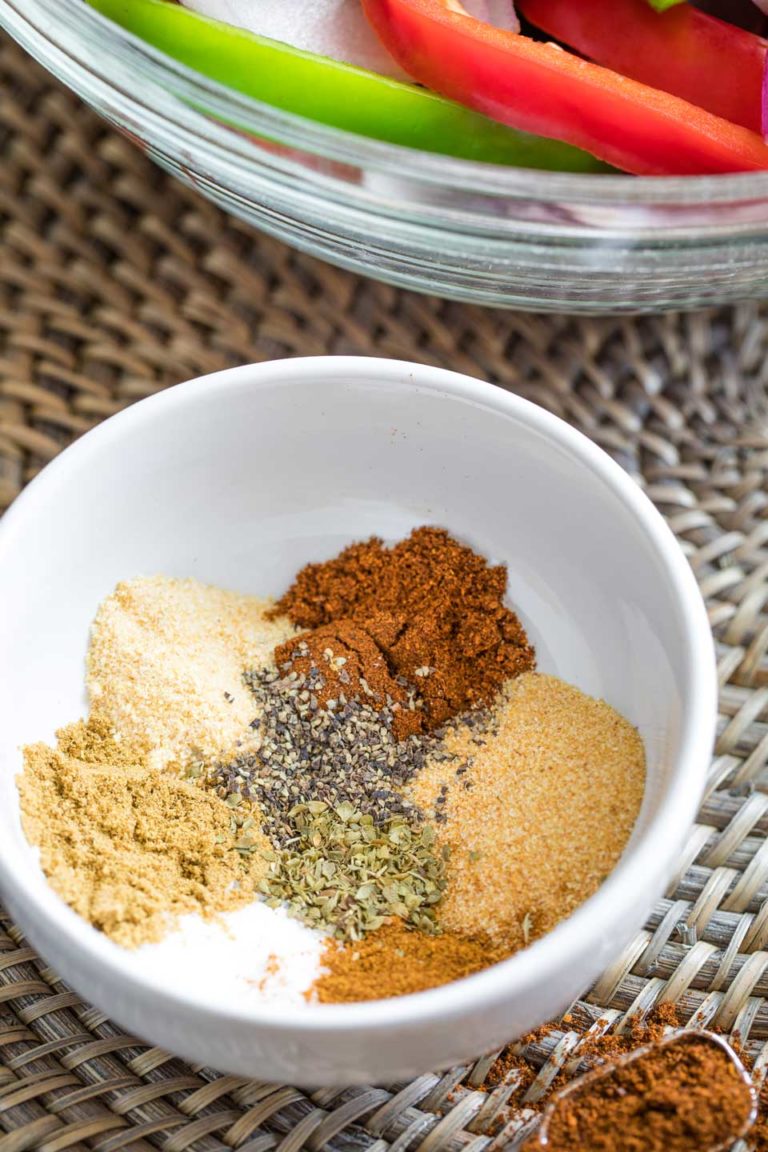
(352, 666)
(395, 961)
(434, 609)
(512, 1068)
(759, 1134)
(593, 1050)
(129, 848)
(598, 1049)
(685, 1096)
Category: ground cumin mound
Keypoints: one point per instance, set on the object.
(130, 848)
(395, 961)
(432, 608)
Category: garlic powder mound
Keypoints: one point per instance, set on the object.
(541, 814)
(166, 661)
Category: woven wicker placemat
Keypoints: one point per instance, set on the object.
(115, 282)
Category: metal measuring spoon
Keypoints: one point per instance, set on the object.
(583, 1085)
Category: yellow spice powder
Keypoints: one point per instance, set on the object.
(166, 663)
(128, 847)
(553, 797)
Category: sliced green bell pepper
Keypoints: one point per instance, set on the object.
(337, 94)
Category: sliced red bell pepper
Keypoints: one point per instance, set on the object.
(544, 89)
(684, 51)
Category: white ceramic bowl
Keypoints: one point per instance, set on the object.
(240, 478)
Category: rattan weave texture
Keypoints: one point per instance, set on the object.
(115, 282)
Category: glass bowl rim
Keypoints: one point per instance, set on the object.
(85, 25)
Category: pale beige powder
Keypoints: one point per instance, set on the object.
(166, 664)
(554, 795)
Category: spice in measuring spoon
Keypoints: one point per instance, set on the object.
(687, 1093)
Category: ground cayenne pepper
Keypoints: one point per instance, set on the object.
(682, 1095)
(394, 961)
(433, 609)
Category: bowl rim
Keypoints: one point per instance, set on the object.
(79, 27)
(649, 855)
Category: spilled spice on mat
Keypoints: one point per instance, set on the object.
(601, 1047)
(685, 1095)
(594, 1048)
(433, 608)
(393, 961)
(128, 847)
(506, 1067)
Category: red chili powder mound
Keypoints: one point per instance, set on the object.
(352, 665)
(432, 608)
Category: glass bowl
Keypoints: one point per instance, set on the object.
(469, 231)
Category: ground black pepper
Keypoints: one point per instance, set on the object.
(346, 751)
(353, 666)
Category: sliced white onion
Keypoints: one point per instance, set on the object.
(500, 13)
(335, 28)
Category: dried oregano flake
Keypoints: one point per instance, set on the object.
(343, 873)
